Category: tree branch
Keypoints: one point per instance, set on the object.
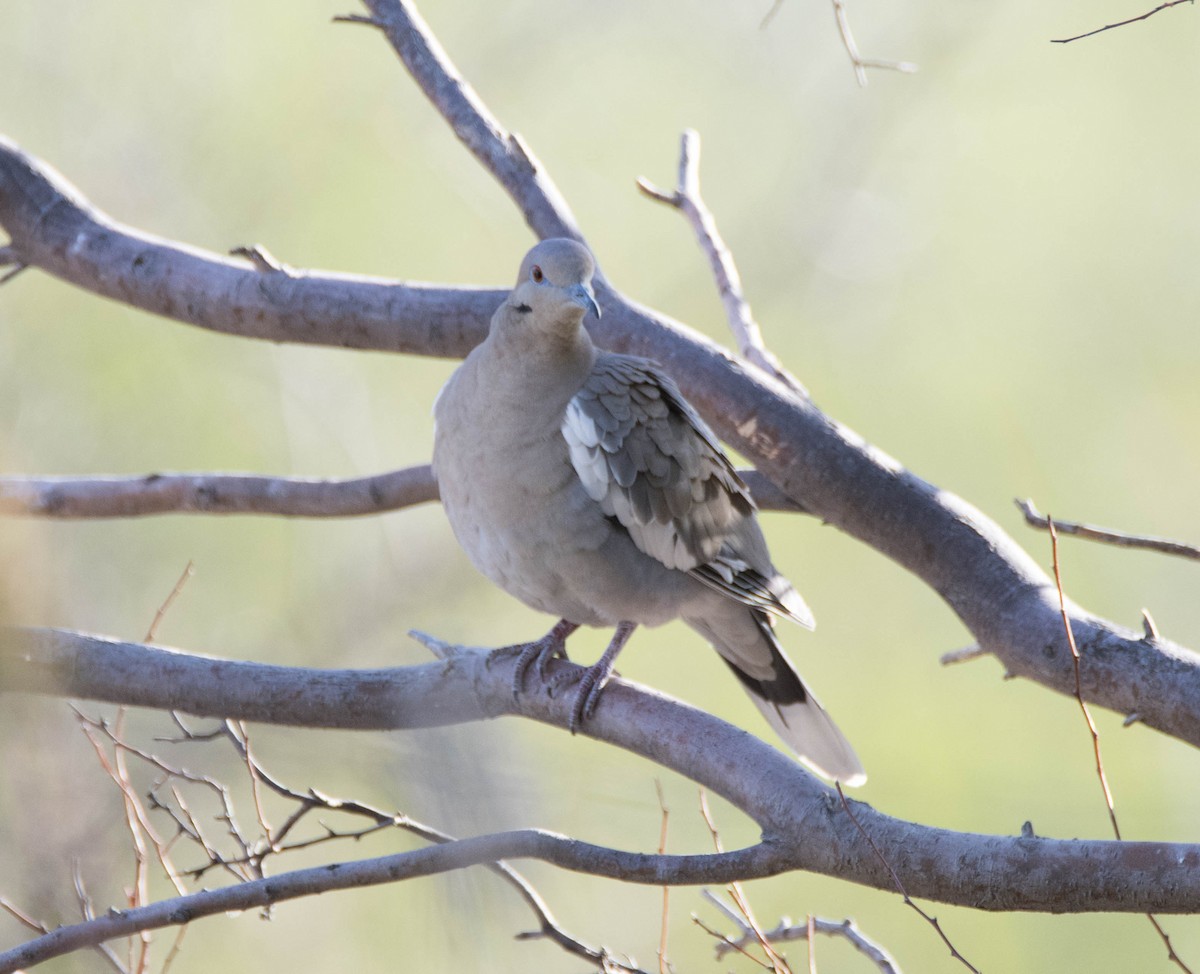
(1090, 532)
(138, 496)
(803, 823)
(1121, 23)
(266, 892)
(996, 589)
(55, 229)
(686, 198)
(503, 154)
(103, 497)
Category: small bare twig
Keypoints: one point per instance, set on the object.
(775, 961)
(87, 911)
(908, 900)
(1034, 518)
(727, 943)
(262, 259)
(1083, 707)
(770, 15)
(686, 198)
(1091, 724)
(1121, 23)
(188, 571)
(21, 917)
(859, 62)
(963, 655)
(787, 930)
(664, 966)
(9, 258)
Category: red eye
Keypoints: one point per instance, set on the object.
(536, 274)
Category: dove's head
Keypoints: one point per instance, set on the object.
(555, 283)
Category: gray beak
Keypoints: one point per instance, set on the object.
(582, 295)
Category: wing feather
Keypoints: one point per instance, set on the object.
(645, 455)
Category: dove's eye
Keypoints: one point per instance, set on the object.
(536, 274)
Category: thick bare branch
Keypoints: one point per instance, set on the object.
(103, 497)
(54, 228)
(804, 825)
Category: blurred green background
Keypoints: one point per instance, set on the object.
(986, 268)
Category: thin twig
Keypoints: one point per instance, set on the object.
(687, 199)
(9, 258)
(722, 940)
(548, 926)
(963, 655)
(860, 63)
(237, 730)
(1083, 707)
(786, 930)
(21, 917)
(770, 15)
(263, 260)
(188, 571)
(87, 911)
(12, 272)
(664, 965)
(1091, 724)
(908, 900)
(810, 936)
(1034, 518)
(1121, 23)
(775, 960)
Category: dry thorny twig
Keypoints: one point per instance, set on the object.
(1090, 532)
(1121, 23)
(857, 61)
(908, 900)
(1076, 661)
(168, 796)
(751, 932)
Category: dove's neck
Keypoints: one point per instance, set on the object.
(540, 358)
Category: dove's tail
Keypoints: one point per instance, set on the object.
(789, 706)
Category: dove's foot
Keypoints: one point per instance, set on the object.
(540, 651)
(595, 677)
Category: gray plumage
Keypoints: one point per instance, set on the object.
(584, 484)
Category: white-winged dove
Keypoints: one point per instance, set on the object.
(584, 484)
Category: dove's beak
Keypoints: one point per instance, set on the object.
(583, 296)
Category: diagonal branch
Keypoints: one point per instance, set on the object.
(503, 154)
(803, 825)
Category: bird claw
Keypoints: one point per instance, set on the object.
(591, 683)
(551, 646)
